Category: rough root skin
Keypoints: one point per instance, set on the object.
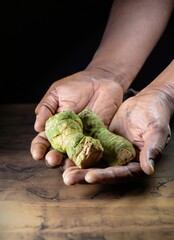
(65, 133)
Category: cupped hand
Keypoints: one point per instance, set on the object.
(95, 89)
(144, 120)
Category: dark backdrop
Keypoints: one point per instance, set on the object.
(45, 42)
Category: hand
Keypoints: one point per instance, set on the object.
(95, 89)
(144, 120)
(73, 175)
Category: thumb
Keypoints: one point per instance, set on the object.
(42, 115)
(154, 143)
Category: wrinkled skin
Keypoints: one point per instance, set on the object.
(95, 88)
(87, 88)
(142, 119)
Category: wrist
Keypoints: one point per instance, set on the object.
(163, 86)
(163, 93)
(103, 74)
(117, 71)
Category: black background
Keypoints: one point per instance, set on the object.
(43, 42)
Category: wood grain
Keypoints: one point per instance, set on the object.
(35, 204)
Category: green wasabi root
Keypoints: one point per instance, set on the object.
(117, 150)
(65, 133)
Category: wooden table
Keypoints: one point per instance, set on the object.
(35, 204)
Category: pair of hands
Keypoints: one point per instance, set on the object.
(142, 119)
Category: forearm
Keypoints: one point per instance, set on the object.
(163, 85)
(133, 29)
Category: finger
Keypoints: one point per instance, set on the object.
(154, 143)
(112, 174)
(74, 175)
(39, 146)
(43, 113)
(53, 158)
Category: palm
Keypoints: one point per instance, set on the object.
(85, 89)
(144, 120)
(95, 90)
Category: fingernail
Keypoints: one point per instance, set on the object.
(88, 179)
(152, 165)
(91, 177)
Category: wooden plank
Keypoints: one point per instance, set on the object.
(35, 204)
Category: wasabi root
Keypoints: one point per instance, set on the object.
(65, 133)
(85, 139)
(117, 150)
